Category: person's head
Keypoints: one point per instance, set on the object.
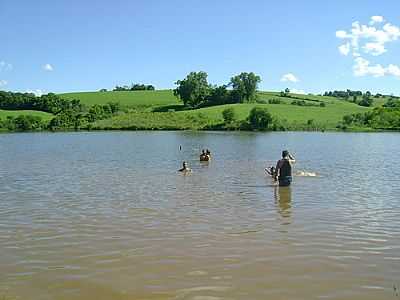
(184, 164)
(208, 151)
(203, 151)
(285, 153)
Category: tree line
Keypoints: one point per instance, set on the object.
(134, 87)
(367, 98)
(386, 117)
(69, 114)
(195, 91)
(50, 103)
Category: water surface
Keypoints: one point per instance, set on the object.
(105, 215)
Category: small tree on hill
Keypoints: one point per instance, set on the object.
(366, 100)
(229, 115)
(259, 118)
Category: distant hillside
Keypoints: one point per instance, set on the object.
(161, 110)
(126, 98)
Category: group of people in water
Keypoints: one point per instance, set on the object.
(204, 156)
(281, 173)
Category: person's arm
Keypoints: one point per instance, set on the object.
(277, 170)
(292, 159)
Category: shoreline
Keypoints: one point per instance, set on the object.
(357, 130)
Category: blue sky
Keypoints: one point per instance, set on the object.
(61, 46)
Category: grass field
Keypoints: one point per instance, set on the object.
(15, 113)
(127, 99)
(151, 118)
(162, 110)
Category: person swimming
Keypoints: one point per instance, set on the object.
(185, 168)
(283, 170)
(204, 156)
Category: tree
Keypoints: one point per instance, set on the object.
(259, 118)
(194, 89)
(244, 86)
(229, 115)
(218, 95)
(392, 102)
(366, 100)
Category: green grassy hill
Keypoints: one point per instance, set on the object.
(162, 110)
(127, 99)
(15, 113)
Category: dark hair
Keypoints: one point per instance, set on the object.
(285, 153)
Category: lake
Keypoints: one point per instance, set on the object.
(105, 215)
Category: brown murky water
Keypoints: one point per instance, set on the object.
(106, 216)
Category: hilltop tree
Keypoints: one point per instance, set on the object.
(194, 89)
(366, 100)
(219, 95)
(244, 86)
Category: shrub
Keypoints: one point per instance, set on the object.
(274, 101)
(229, 115)
(259, 118)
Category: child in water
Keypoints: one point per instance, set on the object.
(205, 155)
(270, 171)
(185, 168)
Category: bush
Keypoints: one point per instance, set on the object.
(275, 101)
(229, 115)
(23, 123)
(366, 101)
(259, 118)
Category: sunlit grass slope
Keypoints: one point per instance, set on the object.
(128, 99)
(162, 110)
(15, 113)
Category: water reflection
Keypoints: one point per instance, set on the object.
(283, 200)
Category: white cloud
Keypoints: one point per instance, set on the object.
(289, 77)
(48, 67)
(393, 70)
(372, 39)
(296, 91)
(344, 49)
(37, 92)
(3, 82)
(376, 19)
(363, 39)
(4, 66)
(363, 67)
(341, 34)
(374, 48)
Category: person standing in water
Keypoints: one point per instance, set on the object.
(283, 170)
